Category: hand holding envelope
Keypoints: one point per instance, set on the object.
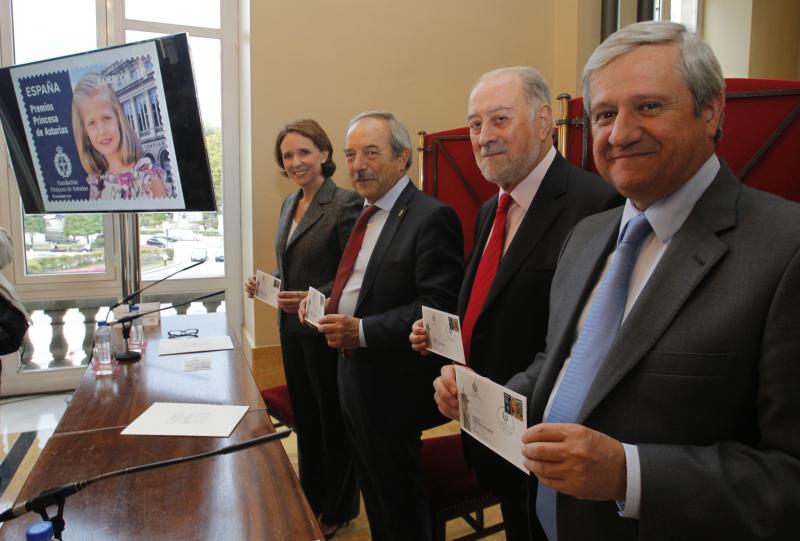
(576, 460)
(446, 395)
(419, 338)
(341, 331)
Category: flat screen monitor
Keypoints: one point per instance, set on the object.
(111, 130)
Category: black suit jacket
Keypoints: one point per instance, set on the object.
(311, 256)
(418, 260)
(511, 327)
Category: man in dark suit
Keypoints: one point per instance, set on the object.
(511, 124)
(668, 389)
(410, 255)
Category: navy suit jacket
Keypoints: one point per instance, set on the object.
(417, 260)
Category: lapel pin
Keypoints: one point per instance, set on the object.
(400, 214)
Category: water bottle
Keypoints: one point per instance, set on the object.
(137, 331)
(102, 348)
(40, 531)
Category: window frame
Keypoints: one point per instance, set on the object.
(227, 34)
(110, 29)
(47, 286)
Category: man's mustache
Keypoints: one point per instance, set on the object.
(364, 175)
(492, 148)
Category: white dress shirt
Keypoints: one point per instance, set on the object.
(522, 196)
(352, 289)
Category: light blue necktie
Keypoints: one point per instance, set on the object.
(594, 341)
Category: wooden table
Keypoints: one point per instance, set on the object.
(251, 494)
(102, 402)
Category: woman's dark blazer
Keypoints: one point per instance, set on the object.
(311, 256)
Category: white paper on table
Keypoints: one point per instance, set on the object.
(444, 334)
(190, 344)
(492, 414)
(176, 419)
(315, 306)
(197, 363)
(267, 288)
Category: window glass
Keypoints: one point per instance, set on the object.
(681, 11)
(63, 243)
(155, 108)
(58, 243)
(185, 12)
(46, 29)
(171, 240)
(142, 114)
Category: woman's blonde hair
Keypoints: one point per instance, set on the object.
(89, 86)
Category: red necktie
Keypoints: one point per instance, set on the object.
(487, 268)
(349, 257)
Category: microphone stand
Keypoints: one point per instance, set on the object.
(128, 355)
(125, 321)
(57, 496)
(133, 356)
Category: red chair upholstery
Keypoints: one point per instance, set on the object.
(449, 174)
(454, 491)
(761, 137)
(279, 405)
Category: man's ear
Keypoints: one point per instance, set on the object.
(405, 155)
(544, 121)
(712, 114)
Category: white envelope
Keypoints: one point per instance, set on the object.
(444, 334)
(267, 288)
(177, 419)
(315, 306)
(492, 414)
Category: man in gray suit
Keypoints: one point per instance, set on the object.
(679, 420)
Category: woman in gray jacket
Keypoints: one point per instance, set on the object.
(315, 223)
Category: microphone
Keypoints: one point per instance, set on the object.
(132, 295)
(42, 500)
(130, 317)
(57, 496)
(125, 321)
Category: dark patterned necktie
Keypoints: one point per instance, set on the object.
(349, 257)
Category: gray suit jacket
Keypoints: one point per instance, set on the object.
(703, 375)
(311, 256)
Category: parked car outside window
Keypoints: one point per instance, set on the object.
(161, 242)
(199, 254)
